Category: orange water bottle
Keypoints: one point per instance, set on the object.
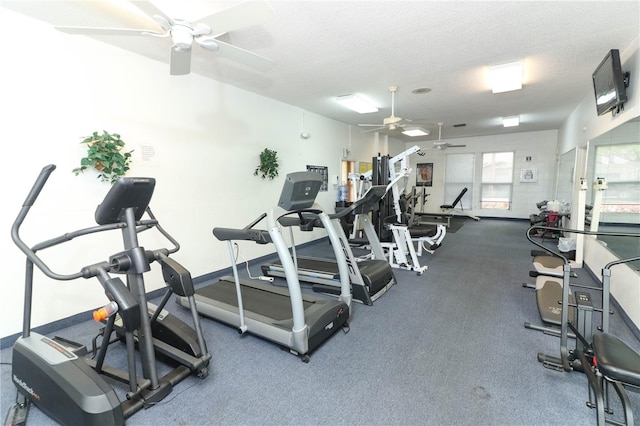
(105, 311)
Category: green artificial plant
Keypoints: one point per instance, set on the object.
(268, 164)
(104, 153)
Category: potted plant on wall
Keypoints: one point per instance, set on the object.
(268, 164)
(104, 153)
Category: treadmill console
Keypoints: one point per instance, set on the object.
(300, 190)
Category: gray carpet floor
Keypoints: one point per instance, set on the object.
(445, 348)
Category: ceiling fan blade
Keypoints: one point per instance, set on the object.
(238, 16)
(423, 123)
(370, 125)
(180, 61)
(151, 10)
(455, 146)
(375, 129)
(96, 31)
(236, 54)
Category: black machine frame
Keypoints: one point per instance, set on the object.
(59, 376)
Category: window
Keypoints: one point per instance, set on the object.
(497, 180)
(459, 175)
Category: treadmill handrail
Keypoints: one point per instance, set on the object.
(368, 202)
(291, 271)
(260, 236)
(256, 221)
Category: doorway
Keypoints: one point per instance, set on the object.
(348, 167)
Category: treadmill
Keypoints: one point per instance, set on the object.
(297, 322)
(369, 278)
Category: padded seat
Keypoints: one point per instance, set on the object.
(423, 231)
(616, 360)
(451, 208)
(455, 202)
(550, 265)
(548, 297)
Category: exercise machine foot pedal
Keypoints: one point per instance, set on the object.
(78, 349)
(17, 415)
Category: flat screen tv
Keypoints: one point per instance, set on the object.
(608, 83)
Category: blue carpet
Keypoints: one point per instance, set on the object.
(444, 348)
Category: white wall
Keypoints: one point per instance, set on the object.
(580, 127)
(205, 138)
(540, 146)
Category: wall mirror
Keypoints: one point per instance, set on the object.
(565, 178)
(615, 156)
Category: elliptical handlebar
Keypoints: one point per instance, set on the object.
(156, 224)
(15, 228)
(39, 184)
(86, 271)
(575, 231)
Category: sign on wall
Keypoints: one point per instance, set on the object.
(324, 172)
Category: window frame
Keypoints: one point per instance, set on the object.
(486, 185)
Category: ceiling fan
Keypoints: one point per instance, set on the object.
(440, 144)
(205, 32)
(392, 122)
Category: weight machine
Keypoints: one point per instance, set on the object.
(391, 221)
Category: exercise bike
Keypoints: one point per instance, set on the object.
(62, 378)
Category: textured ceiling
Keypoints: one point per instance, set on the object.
(323, 49)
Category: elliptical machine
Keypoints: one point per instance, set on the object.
(59, 376)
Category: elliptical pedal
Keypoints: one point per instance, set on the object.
(17, 415)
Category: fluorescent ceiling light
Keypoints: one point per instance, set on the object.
(357, 104)
(415, 131)
(511, 121)
(506, 77)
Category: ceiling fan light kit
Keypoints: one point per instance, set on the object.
(182, 36)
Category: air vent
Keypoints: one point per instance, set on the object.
(421, 90)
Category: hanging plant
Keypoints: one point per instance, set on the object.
(104, 153)
(268, 164)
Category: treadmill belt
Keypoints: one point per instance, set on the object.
(262, 301)
(311, 264)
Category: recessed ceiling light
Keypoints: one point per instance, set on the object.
(357, 103)
(511, 121)
(506, 77)
(415, 131)
(420, 90)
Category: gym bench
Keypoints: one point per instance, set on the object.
(448, 208)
